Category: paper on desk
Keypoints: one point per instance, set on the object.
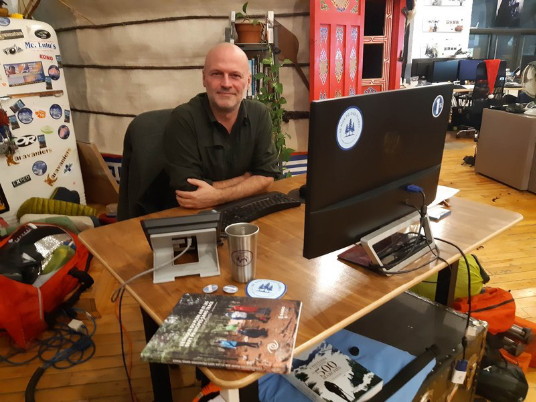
(444, 193)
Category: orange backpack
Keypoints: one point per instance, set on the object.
(494, 305)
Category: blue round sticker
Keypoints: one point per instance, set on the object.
(25, 115)
(39, 168)
(437, 106)
(4, 21)
(55, 111)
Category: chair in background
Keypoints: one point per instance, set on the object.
(488, 92)
(144, 184)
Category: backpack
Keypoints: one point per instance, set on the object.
(43, 269)
(494, 305)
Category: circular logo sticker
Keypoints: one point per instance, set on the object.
(55, 111)
(64, 132)
(39, 168)
(54, 72)
(42, 34)
(437, 106)
(266, 288)
(241, 258)
(4, 21)
(349, 128)
(25, 115)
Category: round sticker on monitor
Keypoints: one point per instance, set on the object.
(437, 106)
(349, 128)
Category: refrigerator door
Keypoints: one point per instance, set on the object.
(38, 151)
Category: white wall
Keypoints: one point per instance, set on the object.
(141, 61)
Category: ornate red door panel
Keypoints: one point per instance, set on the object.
(336, 51)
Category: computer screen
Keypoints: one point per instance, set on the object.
(421, 67)
(363, 151)
(444, 71)
(467, 69)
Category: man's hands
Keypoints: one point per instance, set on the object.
(207, 195)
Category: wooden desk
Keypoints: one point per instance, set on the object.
(334, 293)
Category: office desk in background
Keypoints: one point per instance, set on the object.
(506, 149)
(334, 293)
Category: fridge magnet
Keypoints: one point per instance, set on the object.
(54, 72)
(39, 168)
(25, 115)
(12, 50)
(17, 106)
(21, 180)
(14, 122)
(47, 130)
(55, 111)
(67, 116)
(58, 60)
(42, 34)
(48, 83)
(42, 141)
(4, 22)
(64, 132)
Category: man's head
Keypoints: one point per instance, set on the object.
(226, 75)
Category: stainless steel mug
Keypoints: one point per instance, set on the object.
(242, 241)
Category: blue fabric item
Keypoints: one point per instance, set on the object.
(384, 360)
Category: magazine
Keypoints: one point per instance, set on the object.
(242, 333)
(327, 374)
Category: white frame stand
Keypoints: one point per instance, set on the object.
(165, 246)
(368, 241)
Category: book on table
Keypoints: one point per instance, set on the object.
(241, 333)
(327, 374)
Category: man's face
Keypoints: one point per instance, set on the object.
(226, 76)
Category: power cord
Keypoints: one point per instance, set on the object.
(118, 295)
(69, 345)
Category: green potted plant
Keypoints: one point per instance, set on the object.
(270, 93)
(248, 29)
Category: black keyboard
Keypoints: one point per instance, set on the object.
(255, 207)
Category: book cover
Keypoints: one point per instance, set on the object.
(241, 333)
(327, 374)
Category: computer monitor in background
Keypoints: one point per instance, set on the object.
(363, 152)
(444, 71)
(421, 67)
(467, 70)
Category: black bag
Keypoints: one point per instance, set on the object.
(501, 381)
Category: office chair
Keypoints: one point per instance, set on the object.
(144, 185)
(468, 114)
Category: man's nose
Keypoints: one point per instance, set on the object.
(225, 81)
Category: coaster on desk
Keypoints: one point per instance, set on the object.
(266, 288)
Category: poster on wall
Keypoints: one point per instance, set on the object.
(442, 24)
(444, 3)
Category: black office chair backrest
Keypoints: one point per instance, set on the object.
(144, 186)
(481, 89)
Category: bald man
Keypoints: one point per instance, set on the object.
(218, 146)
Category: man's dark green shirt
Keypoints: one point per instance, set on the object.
(197, 146)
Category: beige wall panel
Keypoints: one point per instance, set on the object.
(83, 12)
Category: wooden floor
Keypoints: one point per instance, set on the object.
(510, 259)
